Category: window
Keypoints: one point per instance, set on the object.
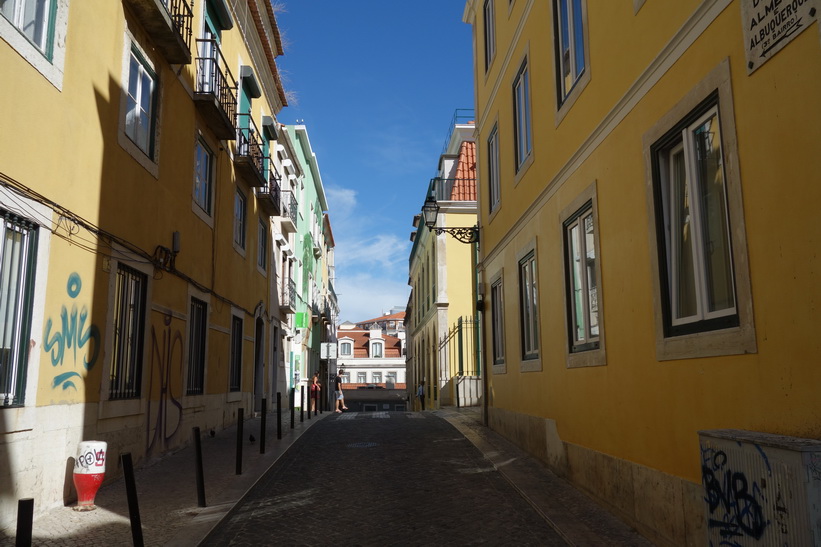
(34, 19)
(262, 245)
(17, 259)
(129, 327)
(198, 328)
(361, 378)
(582, 280)
(702, 295)
(570, 54)
(493, 169)
(695, 230)
(203, 175)
(529, 306)
(376, 349)
(235, 372)
(240, 209)
(490, 33)
(376, 377)
(345, 348)
(140, 103)
(390, 378)
(497, 313)
(521, 111)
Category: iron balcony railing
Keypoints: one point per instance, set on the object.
(270, 194)
(288, 294)
(249, 145)
(215, 78)
(442, 189)
(289, 205)
(182, 16)
(461, 116)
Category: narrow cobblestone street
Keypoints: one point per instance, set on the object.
(383, 479)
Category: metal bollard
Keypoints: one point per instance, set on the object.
(200, 472)
(133, 505)
(302, 406)
(279, 415)
(263, 421)
(240, 419)
(25, 519)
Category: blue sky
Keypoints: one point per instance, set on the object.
(376, 83)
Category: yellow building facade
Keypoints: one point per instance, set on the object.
(141, 196)
(647, 202)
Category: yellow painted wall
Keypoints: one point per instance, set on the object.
(636, 407)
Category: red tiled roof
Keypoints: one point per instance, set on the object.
(464, 187)
(392, 317)
(361, 338)
(266, 44)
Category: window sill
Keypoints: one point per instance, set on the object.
(531, 365)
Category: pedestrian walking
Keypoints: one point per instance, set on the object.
(315, 389)
(421, 394)
(340, 397)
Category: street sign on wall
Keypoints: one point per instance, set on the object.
(327, 350)
(769, 25)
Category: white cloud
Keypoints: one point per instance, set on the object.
(363, 296)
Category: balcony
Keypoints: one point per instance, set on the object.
(168, 22)
(289, 212)
(216, 90)
(460, 189)
(248, 158)
(287, 301)
(268, 196)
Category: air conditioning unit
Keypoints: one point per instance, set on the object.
(760, 489)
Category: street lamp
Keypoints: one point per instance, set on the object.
(430, 210)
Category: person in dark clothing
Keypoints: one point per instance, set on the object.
(340, 397)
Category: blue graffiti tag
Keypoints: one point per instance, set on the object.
(74, 334)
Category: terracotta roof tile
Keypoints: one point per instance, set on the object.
(464, 187)
(361, 338)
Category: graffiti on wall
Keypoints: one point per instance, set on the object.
(164, 414)
(74, 334)
(735, 503)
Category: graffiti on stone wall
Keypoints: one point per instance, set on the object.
(74, 334)
(164, 414)
(735, 503)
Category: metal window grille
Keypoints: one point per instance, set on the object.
(235, 379)
(196, 347)
(129, 328)
(17, 252)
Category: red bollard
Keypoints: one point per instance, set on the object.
(89, 470)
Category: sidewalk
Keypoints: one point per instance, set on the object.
(167, 492)
(168, 496)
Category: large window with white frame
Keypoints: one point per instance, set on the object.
(521, 115)
(262, 245)
(569, 29)
(240, 212)
(494, 178)
(140, 110)
(203, 175)
(695, 229)
(18, 245)
(361, 377)
(34, 19)
(702, 293)
(376, 377)
(197, 330)
(346, 349)
(489, 32)
(377, 350)
(529, 306)
(582, 283)
(129, 333)
(497, 317)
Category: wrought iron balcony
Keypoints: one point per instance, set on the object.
(289, 211)
(287, 301)
(216, 90)
(168, 22)
(249, 158)
(268, 196)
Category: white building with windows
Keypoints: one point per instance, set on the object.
(370, 357)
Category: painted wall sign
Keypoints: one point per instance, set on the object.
(769, 25)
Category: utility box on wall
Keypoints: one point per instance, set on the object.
(760, 489)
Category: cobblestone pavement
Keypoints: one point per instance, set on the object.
(383, 478)
(415, 478)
